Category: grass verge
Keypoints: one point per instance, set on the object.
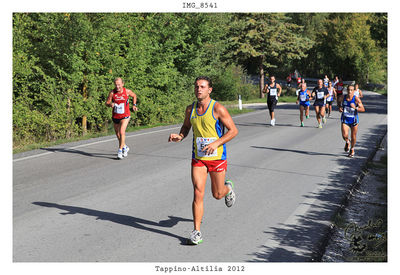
(110, 131)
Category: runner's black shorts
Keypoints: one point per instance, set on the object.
(117, 121)
(271, 102)
(319, 103)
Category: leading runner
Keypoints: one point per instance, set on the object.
(352, 105)
(208, 119)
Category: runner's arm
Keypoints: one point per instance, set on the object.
(222, 114)
(279, 88)
(109, 102)
(133, 95)
(312, 93)
(265, 90)
(359, 105)
(184, 129)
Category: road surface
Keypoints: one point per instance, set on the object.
(77, 203)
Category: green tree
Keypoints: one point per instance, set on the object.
(268, 39)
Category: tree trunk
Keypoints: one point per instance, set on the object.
(84, 117)
(69, 129)
(261, 67)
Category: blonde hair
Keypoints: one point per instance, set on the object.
(118, 78)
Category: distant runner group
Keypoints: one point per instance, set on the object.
(323, 95)
(209, 119)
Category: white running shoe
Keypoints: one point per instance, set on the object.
(125, 151)
(273, 122)
(195, 237)
(120, 155)
(230, 198)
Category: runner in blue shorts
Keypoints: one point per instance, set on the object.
(350, 108)
(304, 99)
(320, 93)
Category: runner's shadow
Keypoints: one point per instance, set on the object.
(122, 219)
(74, 151)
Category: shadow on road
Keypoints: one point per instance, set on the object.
(122, 219)
(74, 151)
(305, 240)
(296, 151)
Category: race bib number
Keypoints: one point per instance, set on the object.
(320, 95)
(203, 142)
(272, 92)
(348, 111)
(119, 108)
(303, 97)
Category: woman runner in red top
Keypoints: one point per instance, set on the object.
(118, 100)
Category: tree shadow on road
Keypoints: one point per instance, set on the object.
(135, 222)
(295, 151)
(305, 239)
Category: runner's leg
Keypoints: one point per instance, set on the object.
(354, 130)
(322, 111)
(345, 132)
(317, 112)
(123, 124)
(218, 187)
(199, 178)
(301, 113)
(117, 127)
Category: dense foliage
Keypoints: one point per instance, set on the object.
(64, 64)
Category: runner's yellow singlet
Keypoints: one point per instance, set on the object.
(206, 129)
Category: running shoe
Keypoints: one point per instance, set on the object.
(346, 147)
(351, 154)
(120, 154)
(307, 117)
(302, 124)
(273, 122)
(324, 120)
(125, 151)
(320, 126)
(230, 197)
(195, 237)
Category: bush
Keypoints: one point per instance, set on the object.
(229, 85)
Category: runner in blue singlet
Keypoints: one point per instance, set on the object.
(350, 108)
(304, 99)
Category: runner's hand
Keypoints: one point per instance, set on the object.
(210, 148)
(175, 138)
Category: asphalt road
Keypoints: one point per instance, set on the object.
(77, 203)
